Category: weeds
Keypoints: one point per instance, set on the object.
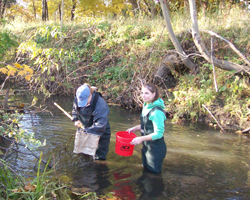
(14, 186)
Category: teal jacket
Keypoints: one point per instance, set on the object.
(157, 117)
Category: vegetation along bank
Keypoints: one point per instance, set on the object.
(202, 76)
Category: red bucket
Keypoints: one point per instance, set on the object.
(122, 145)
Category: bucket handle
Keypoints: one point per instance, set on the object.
(123, 142)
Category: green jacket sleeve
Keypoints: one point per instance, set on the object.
(158, 119)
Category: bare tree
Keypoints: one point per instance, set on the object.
(223, 64)
(62, 11)
(34, 8)
(188, 63)
(1, 2)
(134, 5)
(73, 10)
(45, 14)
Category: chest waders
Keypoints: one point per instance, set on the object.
(87, 119)
(153, 152)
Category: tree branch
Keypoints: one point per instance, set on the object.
(188, 63)
(215, 82)
(213, 117)
(230, 44)
(223, 64)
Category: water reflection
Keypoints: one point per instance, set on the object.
(151, 185)
(201, 163)
(123, 186)
(92, 175)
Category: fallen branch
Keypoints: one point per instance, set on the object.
(223, 64)
(246, 130)
(230, 44)
(213, 117)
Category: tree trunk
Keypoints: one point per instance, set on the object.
(62, 10)
(45, 15)
(47, 11)
(73, 11)
(153, 9)
(1, 9)
(226, 65)
(134, 6)
(34, 8)
(43, 10)
(188, 63)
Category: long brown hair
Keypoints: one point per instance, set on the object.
(91, 88)
(154, 89)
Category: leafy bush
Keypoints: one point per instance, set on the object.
(10, 128)
(7, 41)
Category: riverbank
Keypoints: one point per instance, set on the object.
(117, 54)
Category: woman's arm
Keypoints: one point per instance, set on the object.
(158, 119)
(135, 128)
(140, 139)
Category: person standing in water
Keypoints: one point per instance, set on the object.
(152, 129)
(90, 112)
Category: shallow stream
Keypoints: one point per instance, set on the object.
(201, 163)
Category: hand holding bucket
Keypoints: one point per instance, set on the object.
(122, 145)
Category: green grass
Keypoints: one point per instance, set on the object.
(14, 186)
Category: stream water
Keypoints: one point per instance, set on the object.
(201, 163)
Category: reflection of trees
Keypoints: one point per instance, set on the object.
(93, 176)
(151, 185)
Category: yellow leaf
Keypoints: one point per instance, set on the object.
(18, 66)
(28, 69)
(11, 73)
(27, 78)
(9, 66)
(3, 70)
(21, 73)
(10, 134)
(12, 70)
(34, 100)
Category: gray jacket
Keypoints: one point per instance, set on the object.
(93, 117)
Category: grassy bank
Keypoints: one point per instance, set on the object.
(114, 54)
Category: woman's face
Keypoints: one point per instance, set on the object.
(147, 95)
